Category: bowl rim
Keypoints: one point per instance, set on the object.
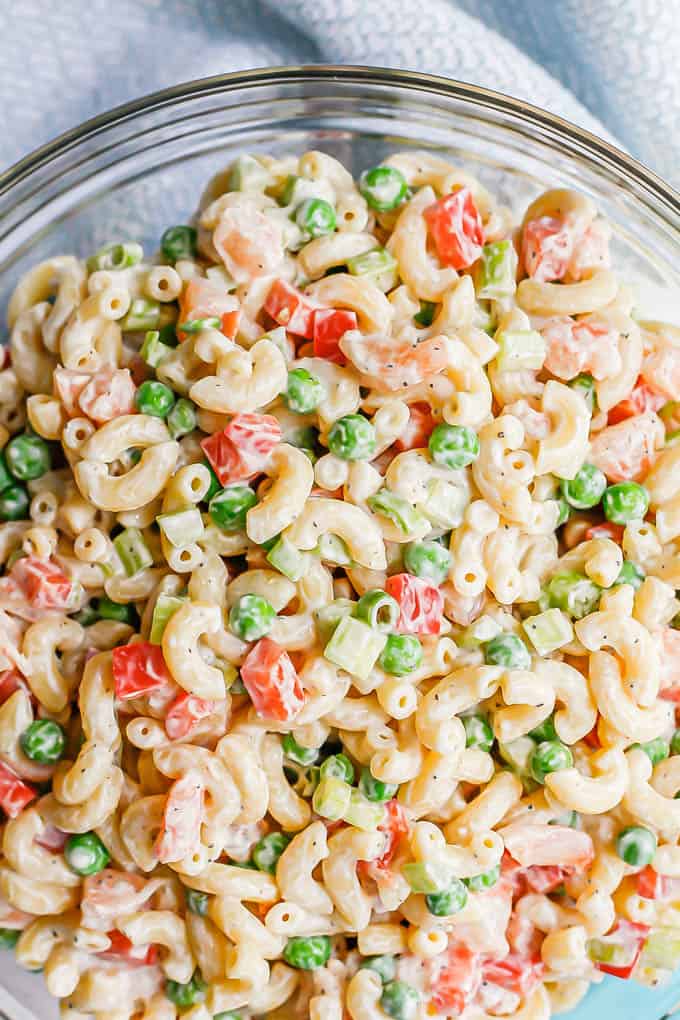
(595, 146)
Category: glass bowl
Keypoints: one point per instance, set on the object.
(130, 173)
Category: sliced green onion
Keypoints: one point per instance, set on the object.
(398, 510)
(152, 350)
(497, 269)
(116, 256)
(378, 609)
(142, 315)
(198, 325)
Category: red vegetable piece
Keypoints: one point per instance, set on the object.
(455, 226)
(44, 585)
(121, 949)
(272, 682)
(290, 308)
(184, 713)
(515, 972)
(547, 246)
(455, 982)
(632, 936)
(254, 436)
(139, 669)
(15, 795)
(329, 326)
(418, 429)
(642, 398)
(421, 604)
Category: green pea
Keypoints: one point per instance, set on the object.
(6, 478)
(401, 655)
(478, 732)
(564, 512)
(296, 752)
(550, 756)
(229, 507)
(304, 391)
(675, 742)
(27, 457)
(487, 880)
(14, 503)
(374, 789)
(154, 398)
(400, 1000)
(107, 609)
(385, 966)
(429, 560)
(636, 845)
(181, 419)
(315, 217)
(338, 766)
(585, 385)
(267, 851)
(307, 953)
(86, 854)
(586, 489)
(450, 901)
(43, 741)
(383, 187)
(189, 994)
(544, 731)
(453, 446)
(626, 501)
(507, 650)
(179, 243)
(197, 902)
(215, 484)
(630, 574)
(425, 317)
(574, 593)
(656, 750)
(352, 438)
(251, 617)
(378, 609)
(8, 938)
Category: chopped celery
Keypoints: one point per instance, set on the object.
(517, 753)
(142, 315)
(519, 349)
(363, 813)
(132, 551)
(334, 550)
(153, 351)
(430, 876)
(662, 949)
(379, 265)
(445, 503)
(328, 617)
(247, 174)
(398, 510)
(478, 633)
(288, 560)
(182, 527)
(497, 269)
(548, 631)
(355, 647)
(331, 798)
(166, 606)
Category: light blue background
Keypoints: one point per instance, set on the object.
(609, 65)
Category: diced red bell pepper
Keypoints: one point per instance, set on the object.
(607, 529)
(139, 669)
(547, 246)
(456, 228)
(418, 428)
(642, 398)
(544, 878)
(254, 437)
(516, 973)
(15, 794)
(290, 308)
(272, 682)
(396, 828)
(329, 326)
(121, 949)
(224, 458)
(630, 936)
(421, 605)
(44, 585)
(651, 885)
(185, 713)
(455, 982)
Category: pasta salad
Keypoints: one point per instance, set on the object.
(339, 639)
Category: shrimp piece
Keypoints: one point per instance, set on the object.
(181, 827)
(591, 251)
(390, 364)
(627, 451)
(249, 243)
(531, 844)
(583, 346)
(111, 894)
(205, 299)
(661, 372)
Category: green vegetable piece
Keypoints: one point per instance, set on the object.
(179, 243)
(27, 457)
(352, 438)
(165, 608)
(328, 617)
(545, 731)
(154, 398)
(296, 752)
(142, 315)
(550, 756)
(425, 317)
(116, 256)
(548, 631)
(379, 265)
(188, 994)
(6, 479)
(198, 325)
(229, 507)
(43, 741)
(507, 650)
(247, 174)
(520, 349)
(374, 789)
(9, 938)
(304, 391)
(400, 1000)
(132, 551)
(675, 742)
(564, 512)
(497, 269)
(478, 732)
(14, 503)
(585, 385)
(307, 953)
(288, 560)
(448, 902)
(656, 750)
(630, 574)
(231, 1014)
(398, 510)
(251, 617)
(662, 949)
(453, 446)
(429, 560)
(181, 526)
(181, 419)
(586, 489)
(338, 766)
(624, 502)
(427, 876)
(267, 851)
(355, 647)
(378, 609)
(385, 966)
(86, 854)
(401, 655)
(383, 187)
(487, 880)
(197, 902)
(574, 593)
(636, 845)
(153, 350)
(331, 797)
(315, 217)
(107, 609)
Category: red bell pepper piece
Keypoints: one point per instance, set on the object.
(139, 669)
(272, 682)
